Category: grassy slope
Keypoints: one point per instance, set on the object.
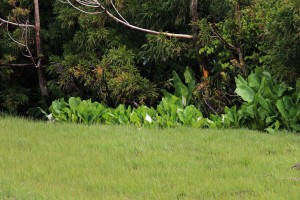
(66, 161)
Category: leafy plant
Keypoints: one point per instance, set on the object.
(182, 91)
(268, 105)
(169, 113)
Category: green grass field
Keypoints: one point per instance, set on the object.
(40, 160)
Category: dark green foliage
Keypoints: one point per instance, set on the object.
(113, 80)
(12, 98)
(161, 14)
(124, 82)
(280, 23)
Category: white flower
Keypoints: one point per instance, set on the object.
(50, 118)
(148, 118)
(223, 118)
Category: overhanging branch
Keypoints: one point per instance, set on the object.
(123, 21)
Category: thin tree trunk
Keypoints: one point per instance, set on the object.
(194, 10)
(41, 73)
(242, 63)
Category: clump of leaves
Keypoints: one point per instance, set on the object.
(169, 113)
(268, 105)
(125, 84)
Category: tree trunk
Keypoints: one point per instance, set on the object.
(194, 10)
(41, 73)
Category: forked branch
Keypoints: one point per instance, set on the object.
(95, 4)
(25, 35)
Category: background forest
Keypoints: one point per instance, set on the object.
(90, 55)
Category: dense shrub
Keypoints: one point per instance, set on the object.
(268, 105)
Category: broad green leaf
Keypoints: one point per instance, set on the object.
(281, 108)
(134, 117)
(266, 88)
(270, 130)
(180, 114)
(271, 119)
(240, 81)
(245, 92)
(56, 106)
(190, 79)
(74, 102)
(180, 88)
(250, 110)
(281, 89)
(189, 75)
(254, 81)
(265, 103)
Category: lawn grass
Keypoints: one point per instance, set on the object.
(40, 160)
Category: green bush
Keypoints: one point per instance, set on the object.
(169, 113)
(268, 105)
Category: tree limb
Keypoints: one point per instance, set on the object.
(96, 4)
(15, 24)
(16, 65)
(148, 30)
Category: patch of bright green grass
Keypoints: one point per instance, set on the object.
(69, 161)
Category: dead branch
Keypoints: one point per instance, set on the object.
(16, 65)
(15, 24)
(121, 20)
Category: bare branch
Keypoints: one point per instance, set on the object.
(16, 65)
(79, 9)
(88, 3)
(111, 2)
(96, 4)
(19, 43)
(15, 24)
(31, 57)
